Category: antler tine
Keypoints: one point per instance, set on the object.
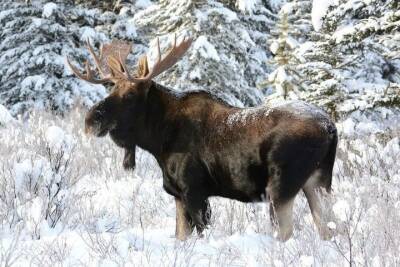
(114, 64)
(88, 69)
(158, 49)
(175, 40)
(168, 61)
(89, 75)
(124, 67)
(95, 57)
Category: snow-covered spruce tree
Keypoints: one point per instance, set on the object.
(292, 29)
(284, 78)
(228, 56)
(299, 19)
(35, 39)
(353, 62)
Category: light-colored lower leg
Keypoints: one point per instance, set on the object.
(183, 229)
(284, 216)
(316, 211)
(272, 215)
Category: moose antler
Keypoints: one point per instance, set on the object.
(176, 52)
(111, 64)
(107, 71)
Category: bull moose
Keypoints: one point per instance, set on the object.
(206, 147)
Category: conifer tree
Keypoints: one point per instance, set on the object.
(35, 39)
(284, 78)
(228, 55)
(352, 62)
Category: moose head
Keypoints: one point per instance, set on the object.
(128, 96)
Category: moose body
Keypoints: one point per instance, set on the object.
(206, 148)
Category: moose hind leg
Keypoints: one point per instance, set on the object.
(281, 205)
(310, 191)
(284, 218)
(184, 225)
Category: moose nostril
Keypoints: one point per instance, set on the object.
(95, 116)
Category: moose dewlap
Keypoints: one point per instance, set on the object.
(206, 147)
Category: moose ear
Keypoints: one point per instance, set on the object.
(143, 69)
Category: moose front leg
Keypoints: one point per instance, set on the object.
(192, 206)
(198, 208)
(129, 159)
(184, 225)
(206, 213)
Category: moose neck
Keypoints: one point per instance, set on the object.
(152, 127)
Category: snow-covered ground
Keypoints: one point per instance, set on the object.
(65, 200)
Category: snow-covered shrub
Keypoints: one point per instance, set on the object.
(37, 179)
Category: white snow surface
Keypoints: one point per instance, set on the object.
(57, 138)
(5, 116)
(274, 47)
(143, 3)
(48, 9)
(205, 48)
(319, 9)
(342, 210)
(348, 126)
(306, 261)
(247, 6)
(227, 14)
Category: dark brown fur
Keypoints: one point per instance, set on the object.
(208, 148)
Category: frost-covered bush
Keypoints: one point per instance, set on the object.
(368, 180)
(37, 184)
